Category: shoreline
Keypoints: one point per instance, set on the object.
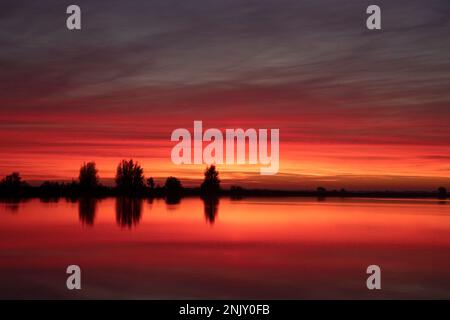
(233, 194)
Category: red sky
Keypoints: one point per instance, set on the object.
(355, 110)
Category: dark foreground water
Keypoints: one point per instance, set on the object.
(257, 248)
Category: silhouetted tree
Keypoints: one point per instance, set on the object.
(88, 177)
(129, 177)
(151, 186)
(151, 183)
(211, 182)
(321, 193)
(13, 181)
(50, 186)
(49, 191)
(442, 192)
(321, 190)
(173, 189)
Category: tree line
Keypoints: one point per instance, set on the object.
(129, 181)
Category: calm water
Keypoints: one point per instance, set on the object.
(251, 248)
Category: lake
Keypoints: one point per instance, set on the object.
(253, 248)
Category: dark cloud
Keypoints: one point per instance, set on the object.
(320, 46)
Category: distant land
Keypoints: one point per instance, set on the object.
(55, 190)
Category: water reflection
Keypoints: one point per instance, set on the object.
(49, 199)
(87, 208)
(191, 252)
(211, 207)
(12, 204)
(128, 211)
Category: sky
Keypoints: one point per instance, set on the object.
(356, 109)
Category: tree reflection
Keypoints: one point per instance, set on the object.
(49, 200)
(211, 208)
(128, 211)
(87, 208)
(12, 204)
